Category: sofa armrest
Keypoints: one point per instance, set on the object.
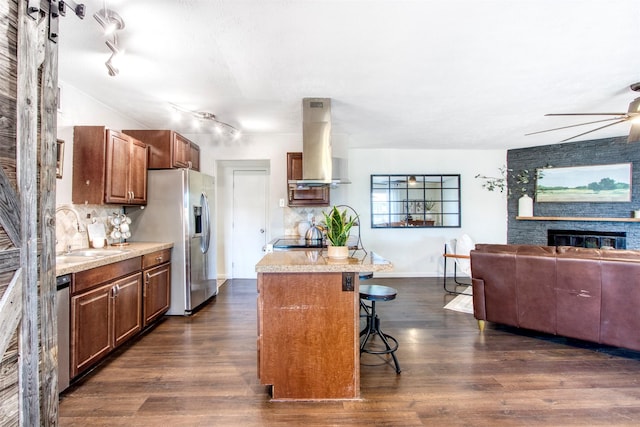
(479, 310)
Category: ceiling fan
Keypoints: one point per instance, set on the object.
(632, 112)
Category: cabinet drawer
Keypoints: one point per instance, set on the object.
(156, 258)
(87, 279)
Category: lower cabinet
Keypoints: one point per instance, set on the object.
(90, 336)
(103, 318)
(127, 308)
(157, 285)
(112, 303)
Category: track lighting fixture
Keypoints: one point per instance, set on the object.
(110, 22)
(220, 127)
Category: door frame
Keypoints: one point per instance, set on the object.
(224, 219)
(244, 196)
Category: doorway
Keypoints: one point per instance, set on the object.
(242, 211)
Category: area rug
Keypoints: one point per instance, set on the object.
(462, 303)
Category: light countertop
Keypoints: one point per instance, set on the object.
(316, 261)
(131, 250)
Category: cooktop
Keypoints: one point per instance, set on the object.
(295, 243)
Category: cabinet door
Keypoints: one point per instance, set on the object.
(308, 196)
(181, 151)
(297, 355)
(117, 170)
(127, 316)
(138, 173)
(90, 330)
(195, 157)
(156, 296)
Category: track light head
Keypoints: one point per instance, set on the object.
(109, 20)
(113, 71)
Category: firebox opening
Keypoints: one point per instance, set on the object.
(588, 239)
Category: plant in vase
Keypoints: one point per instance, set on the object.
(338, 230)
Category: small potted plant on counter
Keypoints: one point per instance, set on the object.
(338, 230)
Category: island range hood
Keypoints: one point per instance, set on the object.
(320, 167)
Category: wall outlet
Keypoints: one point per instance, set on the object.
(282, 203)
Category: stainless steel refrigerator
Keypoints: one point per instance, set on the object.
(180, 210)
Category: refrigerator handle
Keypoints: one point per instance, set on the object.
(205, 237)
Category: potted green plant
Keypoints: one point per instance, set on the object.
(338, 230)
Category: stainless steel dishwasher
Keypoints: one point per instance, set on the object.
(62, 297)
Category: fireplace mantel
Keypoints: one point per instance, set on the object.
(575, 218)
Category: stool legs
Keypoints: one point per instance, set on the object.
(373, 328)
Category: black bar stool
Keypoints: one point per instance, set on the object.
(365, 275)
(375, 293)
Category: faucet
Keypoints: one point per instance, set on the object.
(72, 210)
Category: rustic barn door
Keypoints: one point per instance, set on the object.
(28, 91)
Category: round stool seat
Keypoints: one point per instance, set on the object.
(372, 329)
(377, 293)
(365, 275)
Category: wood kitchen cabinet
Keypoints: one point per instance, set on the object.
(157, 285)
(195, 156)
(106, 311)
(307, 196)
(307, 336)
(108, 167)
(168, 149)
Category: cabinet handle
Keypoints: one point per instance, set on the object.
(133, 195)
(148, 278)
(159, 259)
(190, 164)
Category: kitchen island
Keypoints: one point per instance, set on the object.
(308, 319)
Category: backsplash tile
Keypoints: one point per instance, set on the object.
(67, 233)
(293, 216)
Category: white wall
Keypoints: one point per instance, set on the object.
(417, 252)
(269, 149)
(414, 252)
(77, 109)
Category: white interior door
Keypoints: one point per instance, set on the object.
(249, 221)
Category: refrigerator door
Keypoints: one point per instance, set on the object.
(175, 214)
(201, 270)
(205, 239)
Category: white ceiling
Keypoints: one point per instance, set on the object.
(404, 74)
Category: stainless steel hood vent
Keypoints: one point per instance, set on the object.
(319, 166)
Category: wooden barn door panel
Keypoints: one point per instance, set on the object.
(28, 338)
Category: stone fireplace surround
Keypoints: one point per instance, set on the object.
(581, 153)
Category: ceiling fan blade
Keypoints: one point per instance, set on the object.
(572, 126)
(585, 114)
(593, 130)
(634, 133)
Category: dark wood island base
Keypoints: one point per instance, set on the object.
(308, 317)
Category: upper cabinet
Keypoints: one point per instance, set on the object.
(168, 149)
(108, 167)
(303, 196)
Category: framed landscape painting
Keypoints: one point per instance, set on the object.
(599, 183)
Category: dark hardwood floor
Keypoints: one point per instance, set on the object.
(201, 371)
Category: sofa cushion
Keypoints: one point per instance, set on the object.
(535, 291)
(620, 302)
(578, 296)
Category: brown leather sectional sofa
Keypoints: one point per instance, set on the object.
(589, 294)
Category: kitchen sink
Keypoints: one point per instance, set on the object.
(71, 259)
(84, 255)
(95, 252)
